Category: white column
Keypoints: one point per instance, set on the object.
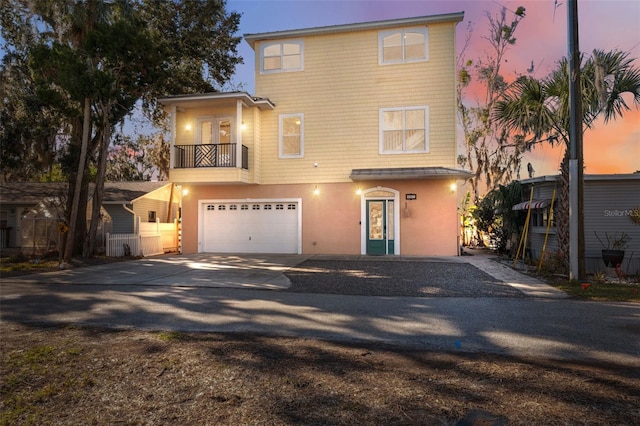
(172, 142)
(239, 134)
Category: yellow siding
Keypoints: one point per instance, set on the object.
(340, 93)
(210, 175)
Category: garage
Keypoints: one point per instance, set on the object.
(241, 226)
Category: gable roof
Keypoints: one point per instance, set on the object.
(126, 192)
(34, 192)
(373, 25)
(30, 192)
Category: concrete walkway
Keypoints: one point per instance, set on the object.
(529, 285)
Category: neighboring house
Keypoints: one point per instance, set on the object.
(42, 201)
(609, 201)
(149, 201)
(30, 211)
(348, 147)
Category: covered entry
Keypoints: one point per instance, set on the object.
(244, 226)
(380, 233)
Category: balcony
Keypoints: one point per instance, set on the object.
(210, 155)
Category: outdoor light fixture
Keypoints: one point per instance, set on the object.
(187, 127)
(244, 126)
(453, 187)
(358, 191)
(316, 191)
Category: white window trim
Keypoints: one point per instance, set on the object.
(263, 46)
(280, 135)
(383, 34)
(425, 108)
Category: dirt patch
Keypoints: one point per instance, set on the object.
(73, 375)
(20, 265)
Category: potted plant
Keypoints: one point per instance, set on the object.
(613, 248)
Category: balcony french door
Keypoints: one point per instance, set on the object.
(212, 133)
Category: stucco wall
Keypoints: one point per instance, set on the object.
(332, 222)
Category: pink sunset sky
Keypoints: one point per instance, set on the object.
(541, 38)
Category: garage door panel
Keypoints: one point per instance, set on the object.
(264, 227)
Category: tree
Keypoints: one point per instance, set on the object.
(491, 155)
(142, 158)
(28, 127)
(92, 61)
(538, 111)
(494, 214)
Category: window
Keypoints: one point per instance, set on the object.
(282, 56)
(404, 130)
(151, 216)
(399, 46)
(540, 218)
(291, 136)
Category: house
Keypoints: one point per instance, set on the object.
(30, 212)
(130, 202)
(348, 146)
(36, 201)
(609, 202)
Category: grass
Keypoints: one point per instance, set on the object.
(14, 263)
(601, 291)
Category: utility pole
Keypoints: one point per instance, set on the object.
(576, 161)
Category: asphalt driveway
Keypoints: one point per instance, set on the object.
(463, 276)
(252, 294)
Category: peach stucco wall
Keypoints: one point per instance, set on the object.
(331, 220)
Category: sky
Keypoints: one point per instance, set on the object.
(541, 38)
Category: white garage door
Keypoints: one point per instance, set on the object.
(250, 227)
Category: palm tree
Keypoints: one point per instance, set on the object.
(538, 110)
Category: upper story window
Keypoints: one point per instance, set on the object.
(404, 130)
(281, 56)
(398, 46)
(291, 136)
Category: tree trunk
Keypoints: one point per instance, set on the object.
(561, 213)
(98, 194)
(73, 219)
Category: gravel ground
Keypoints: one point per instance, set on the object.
(393, 278)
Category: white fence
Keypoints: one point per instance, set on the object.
(152, 239)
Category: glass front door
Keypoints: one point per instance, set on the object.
(380, 238)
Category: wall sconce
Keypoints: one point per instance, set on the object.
(316, 191)
(185, 192)
(243, 126)
(453, 187)
(187, 127)
(358, 191)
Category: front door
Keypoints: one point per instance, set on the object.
(380, 238)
